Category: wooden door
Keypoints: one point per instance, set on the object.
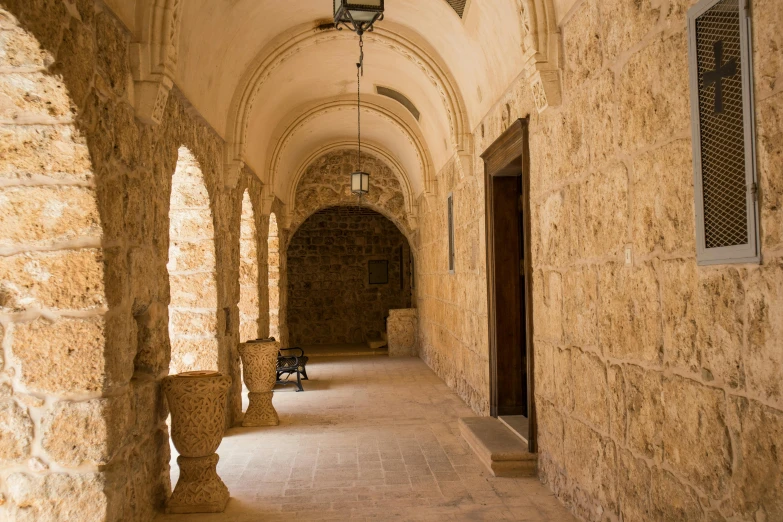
(508, 277)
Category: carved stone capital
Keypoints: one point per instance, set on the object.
(546, 89)
(232, 172)
(151, 98)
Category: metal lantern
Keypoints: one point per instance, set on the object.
(358, 15)
(360, 183)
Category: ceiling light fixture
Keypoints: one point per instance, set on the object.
(359, 18)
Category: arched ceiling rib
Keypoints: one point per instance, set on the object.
(391, 128)
(262, 60)
(373, 149)
(248, 66)
(393, 61)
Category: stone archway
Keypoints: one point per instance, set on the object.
(249, 324)
(346, 267)
(193, 316)
(273, 244)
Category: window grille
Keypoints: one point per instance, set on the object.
(451, 232)
(723, 132)
(458, 6)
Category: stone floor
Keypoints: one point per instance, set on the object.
(332, 350)
(371, 438)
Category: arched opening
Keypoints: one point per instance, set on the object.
(273, 263)
(193, 307)
(347, 267)
(248, 273)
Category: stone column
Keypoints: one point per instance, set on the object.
(259, 368)
(401, 328)
(197, 401)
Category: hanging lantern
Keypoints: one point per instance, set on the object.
(357, 15)
(360, 183)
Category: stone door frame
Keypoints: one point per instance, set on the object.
(509, 158)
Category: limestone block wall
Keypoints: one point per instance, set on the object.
(402, 330)
(86, 190)
(453, 338)
(273, 267)
(330, 299)
(249, 280)
(658, 384)
(193, 314)
(327, 183)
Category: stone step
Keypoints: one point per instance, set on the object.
(375, 343)
(498, 448)
(518, 425)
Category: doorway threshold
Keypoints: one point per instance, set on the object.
(518, 424)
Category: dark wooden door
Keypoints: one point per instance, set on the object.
(509, 277)
(508, 245)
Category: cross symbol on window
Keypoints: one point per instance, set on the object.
(716, 77)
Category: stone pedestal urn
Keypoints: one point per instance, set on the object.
(259, 368)
(197, 401)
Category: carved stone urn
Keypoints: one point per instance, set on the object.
(197, 401)
(259, 369)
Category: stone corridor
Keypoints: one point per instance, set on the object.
(562, 223)
(371, 438)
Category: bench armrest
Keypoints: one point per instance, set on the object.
(301, 352)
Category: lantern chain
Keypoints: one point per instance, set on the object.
(359, 74)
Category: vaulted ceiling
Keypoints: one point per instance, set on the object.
(279, 84)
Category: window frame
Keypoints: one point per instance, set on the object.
(751, 251)
(452, 238)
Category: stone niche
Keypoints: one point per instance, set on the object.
(330, 298)
(401, 328)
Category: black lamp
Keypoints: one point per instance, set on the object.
(358, 16)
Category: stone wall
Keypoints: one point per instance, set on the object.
(273, 266)
(250, 321)
(193, 313)
(658, 384)
(327, 183)
(402, 329)
(330, 299)
(453, 338)
(85, 291)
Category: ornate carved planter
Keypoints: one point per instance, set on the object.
(197, 401)
(259, 369)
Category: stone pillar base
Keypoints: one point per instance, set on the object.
(199, 488)
(260, 411)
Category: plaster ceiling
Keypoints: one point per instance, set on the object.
(271, 53)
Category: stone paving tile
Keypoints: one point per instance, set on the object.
(370, 439)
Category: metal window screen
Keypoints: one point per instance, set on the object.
(723, 135)
(458, 6)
